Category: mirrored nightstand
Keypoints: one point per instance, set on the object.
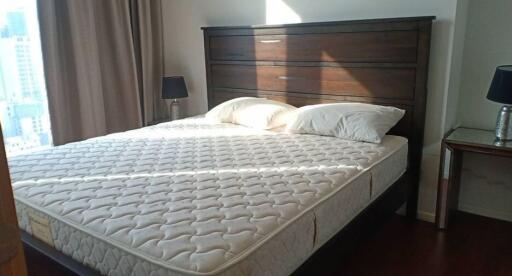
(453, 147)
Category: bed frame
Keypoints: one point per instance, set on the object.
(380, 61)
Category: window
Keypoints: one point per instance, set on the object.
(23, 103)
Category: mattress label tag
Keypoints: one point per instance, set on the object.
(41, 228)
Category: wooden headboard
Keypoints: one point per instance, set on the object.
(381, 61)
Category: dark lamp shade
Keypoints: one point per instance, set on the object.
(174, 88)
(501, 86)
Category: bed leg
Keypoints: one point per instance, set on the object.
(412, 206)
(412, 197)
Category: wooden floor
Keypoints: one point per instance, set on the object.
(473, 245)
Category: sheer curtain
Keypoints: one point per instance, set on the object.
(103, 65)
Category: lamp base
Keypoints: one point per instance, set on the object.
(503, 127)
(174, 110)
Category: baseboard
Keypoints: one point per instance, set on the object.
(478, 210)
(402, 210)
(426, 216)
(421, 215)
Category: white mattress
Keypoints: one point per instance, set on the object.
(196, 198)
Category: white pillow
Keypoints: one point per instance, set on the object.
(257, 113)
(352, 121)
(223, 113)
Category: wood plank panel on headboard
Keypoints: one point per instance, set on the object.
(363, 82)
(380, 61)
(392, 46)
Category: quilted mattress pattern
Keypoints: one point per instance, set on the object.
(188, 197)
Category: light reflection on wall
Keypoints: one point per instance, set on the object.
(278, 12)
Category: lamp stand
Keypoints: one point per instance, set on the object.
(174, 109)
(503, 124)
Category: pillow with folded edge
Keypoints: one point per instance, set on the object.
(351, 121)
(259, 113)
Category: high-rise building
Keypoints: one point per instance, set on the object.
(23, 105)
(17, 23)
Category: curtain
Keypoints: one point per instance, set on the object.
(148, 42)
(102, 72)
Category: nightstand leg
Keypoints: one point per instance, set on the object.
(442, 188)
(449, 186)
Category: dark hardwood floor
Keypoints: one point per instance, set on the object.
(473, 245)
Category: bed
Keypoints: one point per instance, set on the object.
(192, 197)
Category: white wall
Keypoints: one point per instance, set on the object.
(453, 95)
(488, 44)
(486, 181)
(184, 52)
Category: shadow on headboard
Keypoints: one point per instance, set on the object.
(380, 61)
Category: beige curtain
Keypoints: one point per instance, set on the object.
(101, 73)
(148, 42)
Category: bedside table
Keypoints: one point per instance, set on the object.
(453, 147)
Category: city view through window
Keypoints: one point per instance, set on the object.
(23, 102)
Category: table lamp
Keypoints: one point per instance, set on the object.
(174, 88)
(501, 92)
